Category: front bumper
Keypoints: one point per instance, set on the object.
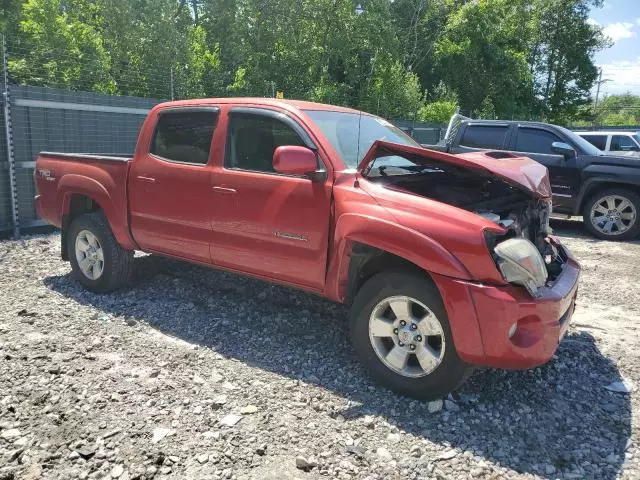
(515, 330)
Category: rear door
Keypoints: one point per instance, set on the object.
(170, 185)
(535, 142)
(266, 223)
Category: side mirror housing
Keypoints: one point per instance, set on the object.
(562, 148)
(293, 160)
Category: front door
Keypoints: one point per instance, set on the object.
(266, 223)
(170, 186)
(536, 143)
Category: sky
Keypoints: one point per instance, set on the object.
(620, 21)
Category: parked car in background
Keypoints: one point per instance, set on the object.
(604, 189)
(446, 260)
(614, 143)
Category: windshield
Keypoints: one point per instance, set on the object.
(586, 147)
(637, 138)
(341, 129)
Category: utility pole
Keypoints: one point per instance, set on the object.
(599, 82)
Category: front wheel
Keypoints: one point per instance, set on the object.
(98, 261)
(612, 214)
(400, 331)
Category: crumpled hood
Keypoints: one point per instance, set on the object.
(520, 172)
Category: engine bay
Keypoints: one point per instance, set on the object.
(519, 213)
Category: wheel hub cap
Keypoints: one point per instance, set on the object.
(406, 336)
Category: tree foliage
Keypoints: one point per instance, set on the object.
(612, 111)
(415, 59)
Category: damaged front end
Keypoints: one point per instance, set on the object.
(512, 192)
(525, 253)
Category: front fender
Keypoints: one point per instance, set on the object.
(113, 209)
(390, 237)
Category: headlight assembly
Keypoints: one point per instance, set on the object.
(521, 264)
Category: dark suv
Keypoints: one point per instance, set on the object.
(604, 189)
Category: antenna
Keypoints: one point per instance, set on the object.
(359, 122)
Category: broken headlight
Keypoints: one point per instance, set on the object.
(520, 263)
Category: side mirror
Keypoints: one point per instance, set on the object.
(562, 148)
(292, 160)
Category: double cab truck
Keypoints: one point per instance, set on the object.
(603, 188)
(445, 260)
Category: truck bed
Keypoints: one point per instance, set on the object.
(68, 180)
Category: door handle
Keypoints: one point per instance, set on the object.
(224, 190)
(146, 179)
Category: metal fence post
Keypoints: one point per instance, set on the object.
(13, 193)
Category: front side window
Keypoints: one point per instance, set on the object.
(253, 138)
(535, 140)
(485, 136)
(598, 141)
(623, 143)
(184, 135)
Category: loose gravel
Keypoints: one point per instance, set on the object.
(198, 374)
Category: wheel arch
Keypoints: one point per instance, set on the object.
(595, 185)
(363, 245)
(78, 194)
(74, 205)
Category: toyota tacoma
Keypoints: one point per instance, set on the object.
(446, 261)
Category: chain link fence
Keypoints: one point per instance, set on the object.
(70, 112)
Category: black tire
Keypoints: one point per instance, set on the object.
(446, 377)
(633, 229)
(118, 262)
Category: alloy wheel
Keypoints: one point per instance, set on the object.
(406, 336)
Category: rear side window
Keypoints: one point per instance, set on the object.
(485, 136)
(184, 135)
(535, 140)
(623, 142)
(253, 138)
(598, 141)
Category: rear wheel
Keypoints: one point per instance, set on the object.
(98, 261)
(400, 331)
(612, 214)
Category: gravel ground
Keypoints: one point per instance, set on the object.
(194, 373)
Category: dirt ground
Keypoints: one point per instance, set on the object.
(192, 373)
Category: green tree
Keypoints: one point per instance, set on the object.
(62, 46)
(482, 56)
(561, 56)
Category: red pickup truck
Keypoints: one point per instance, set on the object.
(446, 260)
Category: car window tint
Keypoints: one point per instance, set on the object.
(485, 136)
(598, 141)
(623, 142)
(253, 138)
(184, 136)
(535, 140)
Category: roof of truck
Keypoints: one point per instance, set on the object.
(288, 104)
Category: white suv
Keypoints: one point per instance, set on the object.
(614, 143)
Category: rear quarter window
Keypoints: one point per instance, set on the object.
(485, 136)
